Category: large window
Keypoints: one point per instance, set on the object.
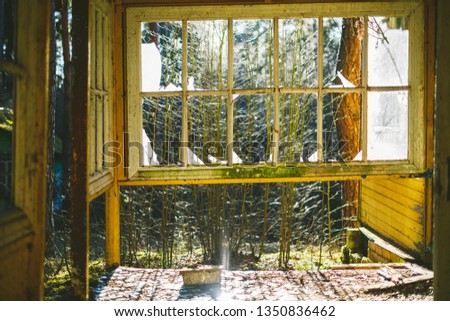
(286, 86)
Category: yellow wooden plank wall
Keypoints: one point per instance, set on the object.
(395, 209)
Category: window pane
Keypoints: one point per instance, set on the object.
(253, 123)
(298, 52)
(7, 52)
(207, 130)
(7, 29)
(388, 51)
(253, 53)
(207, 54)
(298, 128)
(161, 56)
(342, 52)
(6, 139)
(161, 130)
(388, 125)
(342, 127)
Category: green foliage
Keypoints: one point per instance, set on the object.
(225, 222)
(6, 118)
(58, 282)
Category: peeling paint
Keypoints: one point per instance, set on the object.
(419, 209)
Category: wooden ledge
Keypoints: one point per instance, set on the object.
(386, 245)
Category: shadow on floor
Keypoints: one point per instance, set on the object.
(210, 292)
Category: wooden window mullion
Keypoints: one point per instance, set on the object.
(365, 81)
(185, 111)
(320, 95)
(99, 86)
(230, 103)
(276, 83)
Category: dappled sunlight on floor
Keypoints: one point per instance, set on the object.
(125, 284)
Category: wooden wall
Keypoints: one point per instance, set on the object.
(396, 209)
(16, 243)
(22, 228)
(441, 206)
(14, 282)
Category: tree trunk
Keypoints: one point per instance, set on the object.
(67, 133)
(348, 110)
(67, 99)
(51, 124)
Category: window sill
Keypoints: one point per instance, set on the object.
(262, 173)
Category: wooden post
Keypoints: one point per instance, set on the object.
(119, 66)
(112, 196)
(30, 141)
(430, 41)
(112, 227)
(80, 143)
(441, 201)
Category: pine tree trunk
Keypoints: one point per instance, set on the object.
(51, 125)
(348, 110)
(65, 37)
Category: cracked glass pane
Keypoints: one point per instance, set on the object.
(161, 56)
(253, 123)
(207, 130)
(388, 51)
(207, 55)
(342, 127)
(298, 128)
(253, 53)
(298, 52)
(161, 131)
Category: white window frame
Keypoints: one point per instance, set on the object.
(415, 163)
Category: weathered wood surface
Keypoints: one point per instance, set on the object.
(101, 119)
(414, 280)
(386, 245)
(112, 222)
(22, 230)
(16, 237)
(441, 202)
(93, 126)
(240, 2)
(80, 155)
(395, 209)
(363, 266)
